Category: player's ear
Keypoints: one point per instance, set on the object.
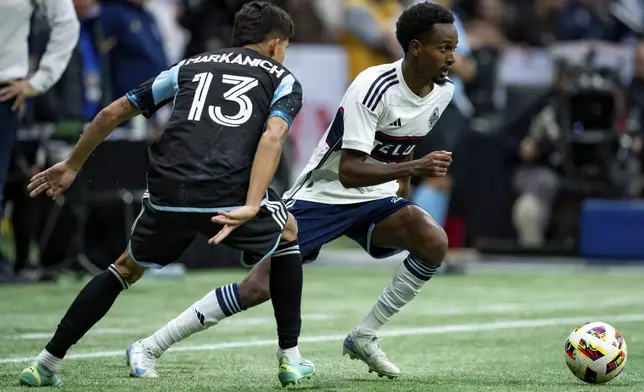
(272, 47)
(415, 47)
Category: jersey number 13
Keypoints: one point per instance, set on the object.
(241, 85)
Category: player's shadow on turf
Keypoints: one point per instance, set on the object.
(372, 379)
(307, 387)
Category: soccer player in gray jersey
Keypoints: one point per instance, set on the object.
(209, 173)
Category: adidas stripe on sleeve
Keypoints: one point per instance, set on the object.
(363, 105)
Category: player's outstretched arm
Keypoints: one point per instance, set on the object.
(356, 173)
(103, 124)
(59, 177)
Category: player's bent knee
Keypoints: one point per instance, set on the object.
(290, 230)
(128, 268)
(441, 245)
(435, 245)
(421, 235)
(430, 244)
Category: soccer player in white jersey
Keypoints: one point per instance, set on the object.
(355, 184)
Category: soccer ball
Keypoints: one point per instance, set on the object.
(595, 352)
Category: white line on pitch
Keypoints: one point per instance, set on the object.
(241, 321)
(499, 325)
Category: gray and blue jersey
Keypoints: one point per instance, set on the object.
(221, 101)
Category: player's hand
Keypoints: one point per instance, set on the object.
(53, 180)
(435, 164)
(232, 220)
(20, 89)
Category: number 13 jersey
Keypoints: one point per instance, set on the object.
(221, 102)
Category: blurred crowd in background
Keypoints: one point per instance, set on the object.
(547, 113)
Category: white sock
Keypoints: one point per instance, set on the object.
(409, 278)
(218, 304)
(293, 353)
(49, 362)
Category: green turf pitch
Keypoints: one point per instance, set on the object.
(487, 331)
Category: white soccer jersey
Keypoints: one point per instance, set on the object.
(378, 115)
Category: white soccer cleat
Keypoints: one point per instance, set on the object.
(142, 360)
(367, 349)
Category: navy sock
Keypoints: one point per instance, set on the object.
(91, 304)
(286, 281)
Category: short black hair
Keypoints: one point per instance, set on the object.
(417, 22)
(260, 20)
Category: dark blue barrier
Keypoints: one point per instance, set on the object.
(612, 229)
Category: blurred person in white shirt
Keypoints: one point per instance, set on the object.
(16, 85)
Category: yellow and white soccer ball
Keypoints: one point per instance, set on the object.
(595, 352)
